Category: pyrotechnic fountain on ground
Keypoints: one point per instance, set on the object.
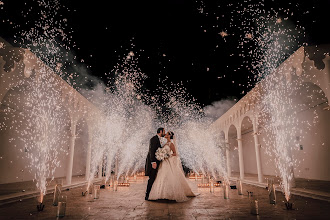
(118, 131)
(283, 110)
(42, 112)
(124, 142)
(286, 113)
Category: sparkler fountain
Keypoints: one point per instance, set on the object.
(43, 131)
(98, 143)
(118, 131)
(130, 117)
(273, 38)
(43, 118)
(282, 127)
(128, 124)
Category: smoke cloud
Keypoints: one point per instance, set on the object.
(218, 108)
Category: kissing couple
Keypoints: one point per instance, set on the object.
(163, 166)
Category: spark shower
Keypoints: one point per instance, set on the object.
(130, 114)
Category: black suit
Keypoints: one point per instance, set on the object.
(154, 144)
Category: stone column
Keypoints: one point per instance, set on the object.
(240, 155)
(71, 152)
(88, 157)
(257, 150)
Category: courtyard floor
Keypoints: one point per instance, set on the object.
(129, 203)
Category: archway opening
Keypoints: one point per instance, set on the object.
(233, 151)
(80, 151)
(248, 145)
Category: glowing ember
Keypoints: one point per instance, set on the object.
(223, 34)
(128, 115)
(248, 36)
(41, 197)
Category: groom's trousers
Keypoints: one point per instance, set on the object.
(152, 177)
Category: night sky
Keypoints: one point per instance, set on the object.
(178, 39)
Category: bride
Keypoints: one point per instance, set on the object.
(171, 182)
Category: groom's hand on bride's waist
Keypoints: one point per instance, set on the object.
(154, 165)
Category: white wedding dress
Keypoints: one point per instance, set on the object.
(171, 182)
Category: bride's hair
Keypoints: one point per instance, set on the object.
(171, 134)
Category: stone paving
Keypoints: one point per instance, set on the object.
(129, 203)
(320, 186)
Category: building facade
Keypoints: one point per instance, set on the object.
(305, 77)
(20, 72)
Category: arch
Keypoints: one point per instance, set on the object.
(249, 153)
(80, 149)
(233, 150)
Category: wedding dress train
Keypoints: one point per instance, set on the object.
(171, 182)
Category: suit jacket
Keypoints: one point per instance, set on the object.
(154, 144)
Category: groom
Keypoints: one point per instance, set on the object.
(152, 163)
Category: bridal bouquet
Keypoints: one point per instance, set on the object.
(163, 153)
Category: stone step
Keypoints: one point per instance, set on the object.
(16, 197)
(294, 191)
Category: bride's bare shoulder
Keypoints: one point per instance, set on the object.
(172, 147)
